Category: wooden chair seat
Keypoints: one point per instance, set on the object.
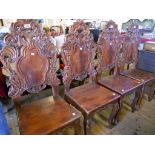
(46, 116)
(141, 75)
(91, 97)
(120, 84)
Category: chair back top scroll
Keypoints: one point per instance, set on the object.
(78, 53)
(34, 55)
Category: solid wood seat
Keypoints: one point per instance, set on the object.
(91, 97)
(120, 84)
(49, 116)
(140, 75)
(35, 68)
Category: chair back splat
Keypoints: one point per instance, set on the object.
(29, 49)
(108, 48)
(130, 46)
(78, 53)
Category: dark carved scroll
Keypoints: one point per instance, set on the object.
(78, 53)
(130, 45)
(33, 55)
(108, 47)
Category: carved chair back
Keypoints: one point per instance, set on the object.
(108, 47)
(34, 57)
(78, 53)
(130, 45)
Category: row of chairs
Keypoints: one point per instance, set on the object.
(35, 58)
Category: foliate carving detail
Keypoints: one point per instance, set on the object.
(130, 45)
(109, 46)
(29, 50)
(78, 53)
(51, 77)
(123, 53)
(134, 37)
(133, 32)
(14, 85)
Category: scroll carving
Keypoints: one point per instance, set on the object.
(130, 45)
(78, 53)
(33, 55)
(108, 47)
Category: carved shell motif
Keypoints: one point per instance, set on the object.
(32, 54)
(108, 47)
(78, 53)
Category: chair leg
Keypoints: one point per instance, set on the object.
(152, 93)
(114, 115)
(87, 125)
(137, 99)
(78, 128)
(120, 103)
(150, 96)
(141, 95)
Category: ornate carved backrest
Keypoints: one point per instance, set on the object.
(130, 45)
(108, 47)
(29, 49)
(78, 53)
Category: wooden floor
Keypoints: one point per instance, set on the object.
(142, 122)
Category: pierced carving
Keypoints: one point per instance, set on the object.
(78, 53)
(130, 45)
(29, 49)
(108, 47)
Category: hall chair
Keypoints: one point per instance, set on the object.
(109, 57)
(35, 67)
(78, 54)
(130, 50)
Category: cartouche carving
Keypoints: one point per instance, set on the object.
(29, 49)
(109, 46)
(78, 53)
